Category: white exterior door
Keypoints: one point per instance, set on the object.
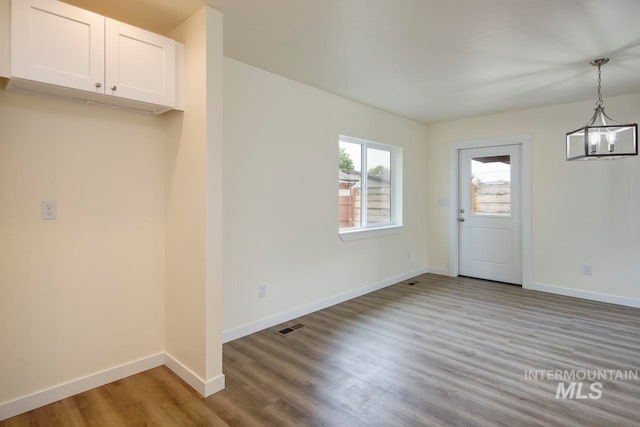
(140, 64)
(59, 44)
(489, 213)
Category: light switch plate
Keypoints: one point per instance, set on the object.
(48, 209)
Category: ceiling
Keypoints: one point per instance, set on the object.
(429, 60)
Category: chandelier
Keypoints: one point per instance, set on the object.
(602, 137)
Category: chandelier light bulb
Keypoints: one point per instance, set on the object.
(594, 141)
(611, 141)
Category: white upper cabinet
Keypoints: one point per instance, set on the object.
(56, 43)
(63, 50)
(5, 38)
(140, 65)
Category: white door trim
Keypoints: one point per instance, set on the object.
(454, 147)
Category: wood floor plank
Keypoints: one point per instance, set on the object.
(443, 352)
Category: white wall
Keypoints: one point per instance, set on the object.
(280, 196)
(214, 200)
(85, 292)
(583, 212)
(193, 203)
(84, 295)
(186, 206)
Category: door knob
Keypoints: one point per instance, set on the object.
(98, 85)
(461, 219)
(461, 210)
(114, 87)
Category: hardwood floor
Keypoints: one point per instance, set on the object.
(442, 352)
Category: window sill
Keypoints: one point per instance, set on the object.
(365, 233)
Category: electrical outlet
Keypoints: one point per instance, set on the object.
(48, 209)
(262, 291)
(587, 270)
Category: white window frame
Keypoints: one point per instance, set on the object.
(395, 225)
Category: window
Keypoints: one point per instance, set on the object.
(491, 185)
(369, 186)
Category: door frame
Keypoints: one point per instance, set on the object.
(525, 196)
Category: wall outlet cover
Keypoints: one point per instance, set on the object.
(48, 209)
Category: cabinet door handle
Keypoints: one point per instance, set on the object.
(98, 85)
(114, 87)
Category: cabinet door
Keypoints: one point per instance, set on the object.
(56, 43)
(140, 64)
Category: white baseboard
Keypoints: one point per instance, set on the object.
(594, 296)
(44, 397)
(205, 388)
(186, 374)
(35, 400)
(213, 385)
(267, 322)
(439, 271)
(62, 391)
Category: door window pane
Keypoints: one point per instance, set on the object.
(378, 186)
(349, 174)
(491, 185)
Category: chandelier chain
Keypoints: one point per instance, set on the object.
(600, 101)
